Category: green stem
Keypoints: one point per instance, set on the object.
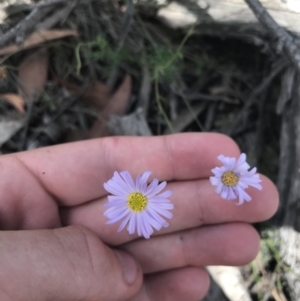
(160, 107)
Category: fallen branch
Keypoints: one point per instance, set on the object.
(285, 40)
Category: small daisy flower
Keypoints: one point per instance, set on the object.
(234, 177)
(139, 205)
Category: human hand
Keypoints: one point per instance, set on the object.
(63, 185)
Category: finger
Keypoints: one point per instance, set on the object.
(195, 204)
(188, 283)
(74, 173)
(211, 245)
(64, 264)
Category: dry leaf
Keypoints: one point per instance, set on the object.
(116, 105)
(3, 72)
(96, 94)
(33, 72)
(38, 38)
(9, 127)
(14, 99)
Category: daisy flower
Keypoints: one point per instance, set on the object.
(138, 204)
(234, 177)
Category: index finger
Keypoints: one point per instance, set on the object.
(74, 173)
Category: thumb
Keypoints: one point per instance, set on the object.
(64, 264)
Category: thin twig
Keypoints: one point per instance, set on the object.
(242, 117)
(285, 40)
(127, 20)
(37, 12)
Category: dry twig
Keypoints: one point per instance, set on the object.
(285, 40)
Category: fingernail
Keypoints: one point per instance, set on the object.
(129, 267)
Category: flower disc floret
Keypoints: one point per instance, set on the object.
(141, 206)
(230, 178)
(234, 177)
(136, 201)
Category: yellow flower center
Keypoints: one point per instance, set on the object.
(137, 202)
(230, 178)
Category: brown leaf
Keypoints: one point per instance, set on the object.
(96, 94)
(116, 105)
(33, 73)
(3, 72)
(38, 38)
(14, 99)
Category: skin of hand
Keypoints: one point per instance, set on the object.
(58, 247)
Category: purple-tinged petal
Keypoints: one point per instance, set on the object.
(132, 224)
(224, 193)
(157, 189)
(152, 185)
(128, 179)
(113, 190)
(241, 159)
(214, 181)
(243, 168)
(231, 194)
(162, 212)
(115, 211)
(141, 179)
(112, 198)
(231, 163)
(157, 217)
(151, 221)
(138, 224)
(167, 206)
(165, 194)
(219, 188)
(120, 181)
(115, 203)
(124, 222)
(114, 186)
(117, 217)
(256, 185)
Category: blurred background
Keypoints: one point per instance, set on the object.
(79, 69)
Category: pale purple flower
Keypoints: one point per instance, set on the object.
(234, 177)
(137, 204)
